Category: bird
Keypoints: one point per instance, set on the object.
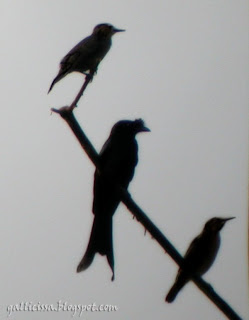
(88, 53)
(200, 255)
(117, 161)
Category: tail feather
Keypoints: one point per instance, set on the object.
(86, 261)
(56, 79)
(177, 286)
(100, 241)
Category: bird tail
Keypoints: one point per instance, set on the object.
(177, 286)
(100, 241)
(56, 79)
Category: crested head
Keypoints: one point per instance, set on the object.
(216, 224)
(105, 30)
(129, 127)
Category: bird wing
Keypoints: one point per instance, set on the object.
(104, 201)
(84, 49)
(201, 253)
(193, 255)
(190, 261)
(68, 61)
(193, 248)
(119, 159)
(117, 162)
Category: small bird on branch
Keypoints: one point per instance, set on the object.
(199, 256)
(117, 161)
(88, 53)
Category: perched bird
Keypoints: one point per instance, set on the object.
(200, 255)
(88, 53)
(118, 159)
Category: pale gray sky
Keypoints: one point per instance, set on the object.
(182, 66)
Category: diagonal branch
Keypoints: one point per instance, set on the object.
(67, 114)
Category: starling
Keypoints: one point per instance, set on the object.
(200, 255)
(88, 53)
(118, 159)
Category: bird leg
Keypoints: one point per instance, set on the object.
(90, 75)
(88, 78)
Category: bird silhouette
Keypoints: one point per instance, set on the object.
(88, 53)
(199, 256)
(118, 159)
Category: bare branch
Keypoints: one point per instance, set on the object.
(67, 114)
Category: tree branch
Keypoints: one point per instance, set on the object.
(67, 114)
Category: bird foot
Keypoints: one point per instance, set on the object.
(89, 76)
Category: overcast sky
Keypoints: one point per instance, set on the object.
(182, 66)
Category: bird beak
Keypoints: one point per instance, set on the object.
(226, 219)
(139, 126)
(222, 222)
(118, 30)
(144, 129)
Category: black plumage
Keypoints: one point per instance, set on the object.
(200, 255)
(118, 159)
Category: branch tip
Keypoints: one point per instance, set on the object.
(64, 112)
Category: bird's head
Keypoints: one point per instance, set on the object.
(105, 30)
(129, 128)
(216, 224)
